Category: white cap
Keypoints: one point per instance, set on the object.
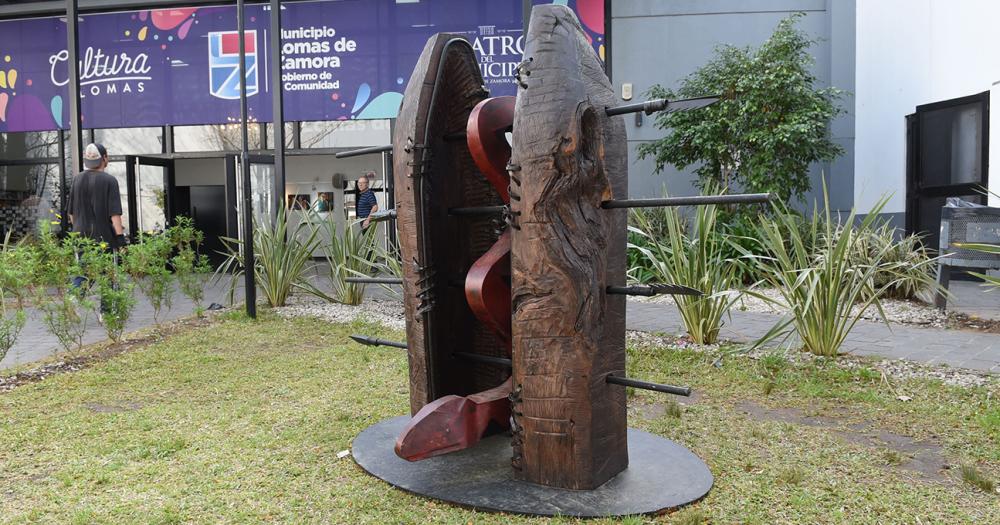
(92, 155)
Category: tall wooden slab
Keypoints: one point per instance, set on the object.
(568, 334)
(434, 172)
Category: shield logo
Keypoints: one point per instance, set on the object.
(224, 63)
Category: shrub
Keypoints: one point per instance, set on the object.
(907, 270)
(280, 261)
(351, 254)
(769, 126)
(190, 267)
(696, 260)
(146, 263)
(821, 284)
(66, 310)
(15, 272)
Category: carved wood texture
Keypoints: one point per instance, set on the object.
(433, 174)
(568, 334)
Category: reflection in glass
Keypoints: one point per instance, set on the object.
(28, 194)
(222, 137)
(152, 197)
(345, 134)
(29, 145)
(130, 141)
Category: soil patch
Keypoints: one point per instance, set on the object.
(98, 353)
(925, 458)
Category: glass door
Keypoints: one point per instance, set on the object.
(262, 198)
(150, 186)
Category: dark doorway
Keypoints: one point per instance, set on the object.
(206, 206)
(947, 155)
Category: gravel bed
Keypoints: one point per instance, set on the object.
(912, 313)
(386, 312)
(390, 314)
(899, 369)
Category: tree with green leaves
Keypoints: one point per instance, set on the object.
(769, 126)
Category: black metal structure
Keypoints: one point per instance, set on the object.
(250, 284)
(947, 155)
(75, 120)
(278, 110)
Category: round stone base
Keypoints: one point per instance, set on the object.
(662, 475)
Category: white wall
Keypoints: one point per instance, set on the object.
(913, 52)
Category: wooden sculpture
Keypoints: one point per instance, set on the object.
(514, 261)
(569, 334)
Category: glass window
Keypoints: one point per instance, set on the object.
(28, 194)
(289, 139)
(29, 145)
(345, 134)
(221, 137)
(130, 141)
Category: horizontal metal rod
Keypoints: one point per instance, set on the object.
(363, 151)
(374, 341)
(374, 280)
(660, 104)
(653, 289)
(476, 210)
(697, 200)
(503, 361)
(646, 385)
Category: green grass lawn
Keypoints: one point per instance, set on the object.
(240, 422)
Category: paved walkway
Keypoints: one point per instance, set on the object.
(956, 348)
(35, 341)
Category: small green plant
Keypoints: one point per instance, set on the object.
(821, 286)
(146, 263)
(350, 254)
(15, 272)
(694, 259)
(60, 287)
(281, 259)
(972, 476)
(99, 267)
(190, 267)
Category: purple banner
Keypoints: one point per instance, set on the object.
(348, 59)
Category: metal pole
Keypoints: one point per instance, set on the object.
(646, 385)
(697, 200)
(75, 120)
(250, 283)
(277, 107)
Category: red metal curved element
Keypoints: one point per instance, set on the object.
(485, 133)
(487, 288)
(454, 423)
(487, 284)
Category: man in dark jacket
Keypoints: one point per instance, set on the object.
(95, 204)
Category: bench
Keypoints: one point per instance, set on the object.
(966, 225)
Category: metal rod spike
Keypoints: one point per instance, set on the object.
(503, 361)
(374, 341)
(476, 210)
(646, 385)
(653, 289)
(661, 104)
(363, 151)
(697, 200)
